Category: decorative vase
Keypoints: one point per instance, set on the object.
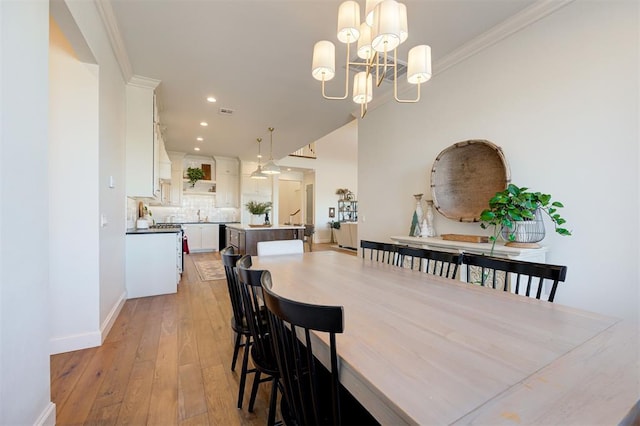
(418, 216)
(431, 230)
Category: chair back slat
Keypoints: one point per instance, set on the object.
(229, 259)
(383, 252)
(537, 274)
(301, 375)
(444, 264)
(249, 281)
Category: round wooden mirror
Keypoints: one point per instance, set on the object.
(465, 176)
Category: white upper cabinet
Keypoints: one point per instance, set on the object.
(143, 149)
(227, 182)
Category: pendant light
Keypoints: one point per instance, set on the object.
(258, 174)
(271, 168)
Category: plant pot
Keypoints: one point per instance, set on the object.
(257, 219)
(526, 233)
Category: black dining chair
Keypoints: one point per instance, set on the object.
(238, 320)
(380, 252)
(444, 264)
(262, 355)
(524, 278)
(312, 394)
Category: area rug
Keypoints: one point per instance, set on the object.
(210, 270)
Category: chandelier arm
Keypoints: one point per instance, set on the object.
(405, 101)
(346, 80)
(380, 76)
(363, 109)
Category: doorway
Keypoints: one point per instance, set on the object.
(290, 201)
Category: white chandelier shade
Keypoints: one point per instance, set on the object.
(378, 37)
(362, 88)
(348, 22)
(365, 51)
(271, 168)
(386, 26)
(369, 6)
(419, 65)
(257, 174)
(324, 61)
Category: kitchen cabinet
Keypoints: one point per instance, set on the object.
(175, 197)
(347, 235)
(143, 147)
(153, 265)
(202, 236)
(206, 186)
(227, 182)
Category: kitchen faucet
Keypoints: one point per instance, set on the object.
(199, 215)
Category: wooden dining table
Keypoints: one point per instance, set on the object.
(420, 349)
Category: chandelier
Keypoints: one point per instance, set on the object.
(378, 37)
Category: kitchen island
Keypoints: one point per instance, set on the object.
(244, 238)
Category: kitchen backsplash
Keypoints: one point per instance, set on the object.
(188, 212)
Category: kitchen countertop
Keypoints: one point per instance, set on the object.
(153, 230)
(246, 227)
(222, 222)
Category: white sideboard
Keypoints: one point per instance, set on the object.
(500, 250)
(347, 235)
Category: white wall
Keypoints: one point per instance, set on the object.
(73, 170)
(110, 242)
(24, 241)
(336, 167)
(561, 98)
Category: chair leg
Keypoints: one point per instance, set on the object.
(272, 402)
(243, 373)
(236, 349)
(254, 390)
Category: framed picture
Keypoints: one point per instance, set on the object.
(332, 212)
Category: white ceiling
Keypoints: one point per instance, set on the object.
(254, 56)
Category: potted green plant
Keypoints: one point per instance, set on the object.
(516, 215)
(194, 174)
(258, 209)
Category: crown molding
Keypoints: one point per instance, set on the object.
(506, 28)
(105, 11)
(146, 82)
(515, 23)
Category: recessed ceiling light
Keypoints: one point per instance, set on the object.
(211, 99)
(259, 155)
(199, 139)
(204, 123)
(196, 149)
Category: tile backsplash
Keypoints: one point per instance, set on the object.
(187, 212)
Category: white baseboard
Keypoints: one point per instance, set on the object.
(87, 340)
(111, 318)
(48, 416)
(74, 342)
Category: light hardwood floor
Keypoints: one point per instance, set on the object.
(166, 361)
